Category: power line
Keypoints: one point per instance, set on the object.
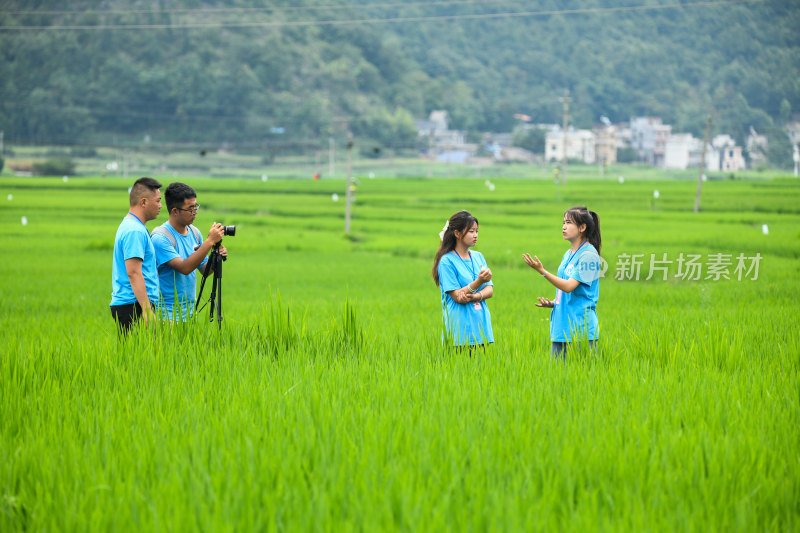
(320, 144)
(248, 10)
(97, 112)
(100, 111)
(393, 20)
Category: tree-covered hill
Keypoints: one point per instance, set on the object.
(235, 71)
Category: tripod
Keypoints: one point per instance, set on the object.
(215, 300)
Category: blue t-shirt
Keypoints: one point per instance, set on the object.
(174, 285)
(132, 240)
(574, 315)
(469, 323)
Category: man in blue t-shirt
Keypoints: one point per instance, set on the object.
(180, 250)
(134, 279)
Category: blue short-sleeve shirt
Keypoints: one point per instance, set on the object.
(574, 315)
(469, 323)
(132, 240)
(176, 288)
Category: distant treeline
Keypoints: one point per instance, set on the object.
(226, 72)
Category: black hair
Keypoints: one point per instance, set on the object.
(581, 215)
(460, 222)
(176, 193)
(143, 187)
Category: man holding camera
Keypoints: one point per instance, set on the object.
(180, 250)
(134, 278)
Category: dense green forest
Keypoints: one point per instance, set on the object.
(258, 72)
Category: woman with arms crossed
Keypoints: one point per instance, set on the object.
(465, 282)
(574, 311)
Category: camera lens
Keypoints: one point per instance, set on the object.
(230, 231)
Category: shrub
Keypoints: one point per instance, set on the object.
(627, 155)
(56, 166)
(532, 140)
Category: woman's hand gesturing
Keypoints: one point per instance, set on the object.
(534, 263)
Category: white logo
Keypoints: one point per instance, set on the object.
(591, 267)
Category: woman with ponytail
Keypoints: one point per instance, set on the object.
(465, 282)
(574, 310)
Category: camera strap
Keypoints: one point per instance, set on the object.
(161, 230)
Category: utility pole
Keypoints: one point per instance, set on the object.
(565, 101)
(348, 194)
(449, 155)
(330, 156)
(702, 166)
(430, 152)
(116, 156)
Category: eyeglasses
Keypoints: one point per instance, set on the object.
(192, 209)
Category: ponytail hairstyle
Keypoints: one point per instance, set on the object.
(581, 216)
(460, 222)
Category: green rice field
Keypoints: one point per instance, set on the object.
(326, 401)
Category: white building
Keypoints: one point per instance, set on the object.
(724, 155)
(682, 151)
(605, 144)
(435, 129)
(580, 145)
(649, 137)
(624, 136)
(793, 131)
(756, 147)
(729, 159)
(437, 121)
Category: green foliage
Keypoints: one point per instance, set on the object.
(785, 111)
(779, 151)
(2, 163)
(388, 129)
(216, 84)
(627, 155)
(54, 166)
(530, 139)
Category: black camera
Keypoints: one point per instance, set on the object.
(229, 231)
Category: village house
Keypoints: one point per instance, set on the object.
(624, 135)
(724, 155)
(605, 144)
(652, 140)
(793, 131)
(580, 145)
(440, 138)
(756, 146)
(649, 137)
(682, 151)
